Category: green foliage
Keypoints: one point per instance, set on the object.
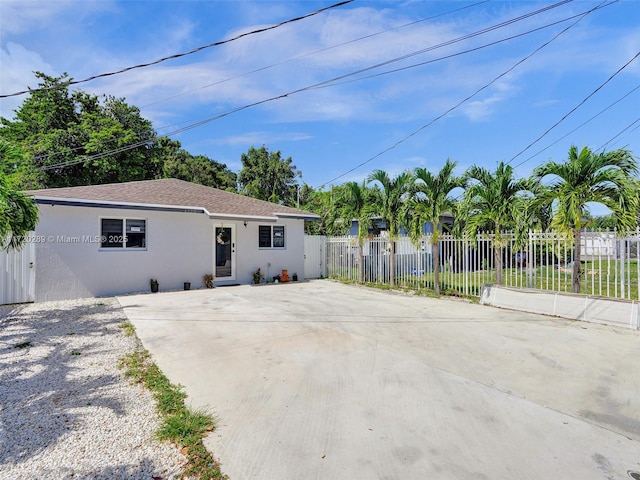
(430, 199)
(200, 169)
(74, 138)
(492, 202)
(267, 176)
(388, 202)
(606, 178)
(180, 424)
(18, 212)
(330, 206)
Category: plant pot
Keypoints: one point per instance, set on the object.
(154, 287)
(187, 285)
(295, 277)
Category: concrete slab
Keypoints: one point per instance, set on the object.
(319, 380)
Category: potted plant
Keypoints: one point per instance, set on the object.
(257, 276)
(154, 285)
(208, 279)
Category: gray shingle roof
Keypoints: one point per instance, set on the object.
(173, 192)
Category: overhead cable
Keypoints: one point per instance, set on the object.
(311, 87)
(183, 54)
(308, 54)
(582, 102)
(484, 87)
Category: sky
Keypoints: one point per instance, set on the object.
(418, 81)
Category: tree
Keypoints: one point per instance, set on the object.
(180, 164)
(329, 205)
(267, 176)
(388, 204)
(606, 178)
(491, 202)
(359, 207)
(429, 200)
(76, 139)
(18, 212)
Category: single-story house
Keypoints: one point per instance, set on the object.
(103, 240)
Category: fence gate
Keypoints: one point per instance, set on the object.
(17, 275)
(314, 256)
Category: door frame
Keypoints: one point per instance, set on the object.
(234, 242)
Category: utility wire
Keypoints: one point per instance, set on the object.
(184, 54)
(619, 133)
(308, 54)
(583, 124)
(571, 111)
(311, 87)
(484, 87)
(334, 80)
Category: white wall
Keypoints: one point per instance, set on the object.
(249, 257)
(179, 249)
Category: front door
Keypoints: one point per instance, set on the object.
(224, 252)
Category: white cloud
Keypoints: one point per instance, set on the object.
(18, 65)
(262, 138)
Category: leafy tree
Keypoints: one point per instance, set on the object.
(492, 201)
(180, 164)
(329, 205)
(267, 176)
(18, 212)
(75, 139)
(606, 178)
(429, 200)
(388, 204)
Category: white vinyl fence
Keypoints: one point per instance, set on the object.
(543, 260)
(17, 275)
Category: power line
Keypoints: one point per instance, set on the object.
(333, 81)
(260, 69)
(583, 124)
(404, 139)
(618, 134)
(571, 111)
(311, 87)
(184, 54)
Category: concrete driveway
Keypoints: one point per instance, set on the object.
(320, 380)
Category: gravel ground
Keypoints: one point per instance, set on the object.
(66, 410)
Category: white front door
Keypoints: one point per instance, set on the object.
(224, 251)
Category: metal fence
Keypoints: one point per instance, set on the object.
(543, 260)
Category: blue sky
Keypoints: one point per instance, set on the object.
(329, 131)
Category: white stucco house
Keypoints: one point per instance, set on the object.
(103, 240)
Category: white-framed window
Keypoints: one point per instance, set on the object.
(271, 236)
(123, 233)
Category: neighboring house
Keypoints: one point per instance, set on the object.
(112, 239)
(379, 225)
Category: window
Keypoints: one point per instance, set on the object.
(123, 233)
(271, 236)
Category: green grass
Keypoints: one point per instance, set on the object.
(129, 329)
(597, 279)
(180, 425)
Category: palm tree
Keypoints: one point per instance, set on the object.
(491, 202)
(388, 206)
(606, 178)
(429, 200)
(18, 212)
(358, 207)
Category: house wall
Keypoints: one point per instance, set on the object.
(68, 265)
(249, 257)
(179, 249)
